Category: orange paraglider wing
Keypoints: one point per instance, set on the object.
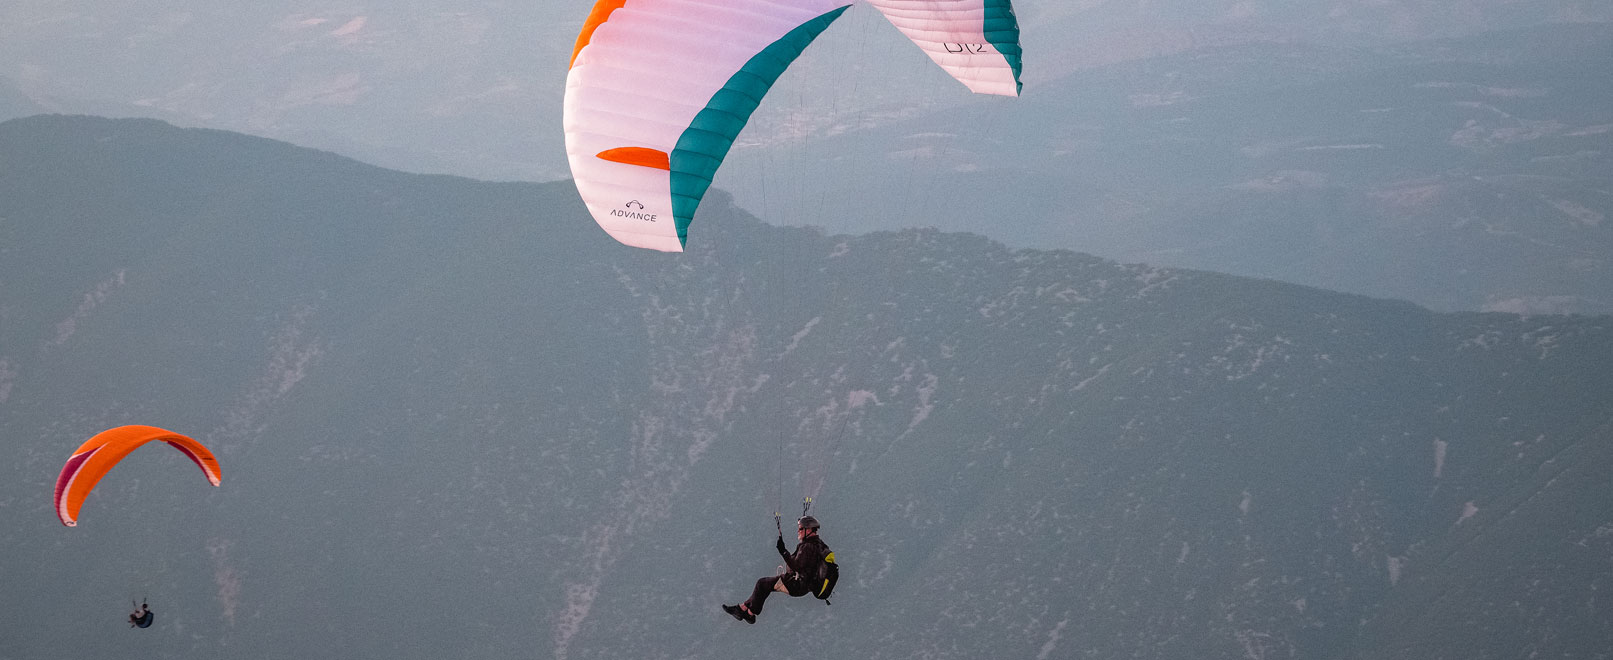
(99, 454)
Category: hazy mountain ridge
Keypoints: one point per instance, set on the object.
(438, 393)
(1463, 174)
(13, 103)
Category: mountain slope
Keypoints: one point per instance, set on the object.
(457, 420)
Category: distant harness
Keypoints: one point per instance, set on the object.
(142, 621)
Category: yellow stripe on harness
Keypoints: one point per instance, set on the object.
(830, 559)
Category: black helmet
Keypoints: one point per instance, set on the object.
(806, 522)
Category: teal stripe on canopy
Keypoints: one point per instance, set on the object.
(702, 146)
(1002, 30)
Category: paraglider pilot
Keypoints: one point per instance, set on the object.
(808, 557)
(141, 616)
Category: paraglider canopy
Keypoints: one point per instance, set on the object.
(658, 91)
(98, 455)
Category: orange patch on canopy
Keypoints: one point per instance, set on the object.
(642, 156)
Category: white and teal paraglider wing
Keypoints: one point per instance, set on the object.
(656, 94)
(976, 41)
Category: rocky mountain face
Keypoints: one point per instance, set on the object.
(456, 420)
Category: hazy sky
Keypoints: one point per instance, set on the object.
(433, 86)
(473, 87)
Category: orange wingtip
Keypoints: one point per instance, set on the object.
(643, 156)
(601, 13)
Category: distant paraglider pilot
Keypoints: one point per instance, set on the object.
(810, 570)
(141, 617)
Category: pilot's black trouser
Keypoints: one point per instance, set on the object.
(789, 583)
